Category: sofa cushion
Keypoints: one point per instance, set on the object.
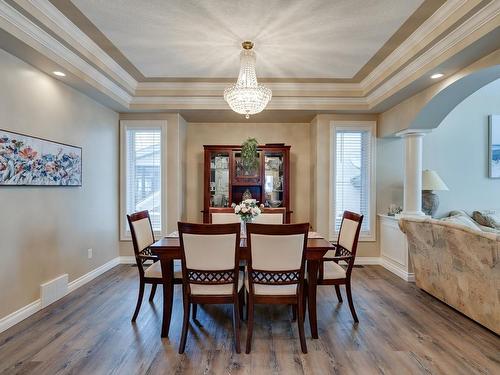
(488, 218)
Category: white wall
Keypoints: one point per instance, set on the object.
(457, 149)
(46, 231)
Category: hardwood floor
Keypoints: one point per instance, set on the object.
(402, 330)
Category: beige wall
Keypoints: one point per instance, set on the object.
(320, 180)
(46, 231)
(296, 135)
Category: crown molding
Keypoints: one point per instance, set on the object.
(112, 80)
(79, 40)
(280, 103)
(25, 30)
(437, 51)
(428, 27)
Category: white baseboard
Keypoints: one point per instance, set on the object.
(82, 280)
(407, 276)
(28, 310)
(367, 261)
(24, 312)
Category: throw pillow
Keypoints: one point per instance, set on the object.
(462, 220)
(487, 218)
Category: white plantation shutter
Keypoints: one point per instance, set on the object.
(143, 173)
(352, 175)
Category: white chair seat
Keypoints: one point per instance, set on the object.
(271, 290)
(222, 289)
(154, 270)
(332, 270)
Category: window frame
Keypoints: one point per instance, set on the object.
(126, 125)
(371, 127)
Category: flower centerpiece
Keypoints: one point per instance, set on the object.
(247, 209)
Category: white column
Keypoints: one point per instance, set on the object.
(412, 203)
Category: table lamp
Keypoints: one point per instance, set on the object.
(430, 201)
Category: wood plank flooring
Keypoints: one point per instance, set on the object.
(402, 330)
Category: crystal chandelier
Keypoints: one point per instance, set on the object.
(246, 96)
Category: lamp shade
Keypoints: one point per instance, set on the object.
(432, 181)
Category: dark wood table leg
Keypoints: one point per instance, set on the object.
(167, 269)
(312, 274)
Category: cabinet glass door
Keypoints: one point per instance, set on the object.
(274, 179)
(219, 179)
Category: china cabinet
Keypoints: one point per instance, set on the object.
(227, 181)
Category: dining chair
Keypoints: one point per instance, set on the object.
(276, 270)
(330, 271)
(271, 216)
(224, 215)
(210, 271)
(143, 237)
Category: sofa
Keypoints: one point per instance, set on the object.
(458, 264)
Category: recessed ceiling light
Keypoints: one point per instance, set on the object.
(59, 74)
(437, 75)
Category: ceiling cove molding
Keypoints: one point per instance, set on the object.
(47, 9)
(420, 34)
(469, 27)
(201, 95)
(24, 29)
(275, 103)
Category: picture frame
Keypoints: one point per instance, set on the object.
(27, 160)
(494, 146)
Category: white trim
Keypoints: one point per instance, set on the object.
(485, 15)
(81, 40)
(30, 33)
(25, 312)
(89, 276)
(221, 86)
(367, 261)
(19, 315)
(370, 126)
(392, 267)
(142, 124)
(296, 95)
(408, 45)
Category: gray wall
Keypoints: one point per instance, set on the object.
(46, 231)
(457, 149)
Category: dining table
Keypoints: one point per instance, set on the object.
(168, 249)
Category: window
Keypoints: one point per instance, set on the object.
(142, 150)
(352, 174)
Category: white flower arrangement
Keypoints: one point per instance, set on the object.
(247, 210)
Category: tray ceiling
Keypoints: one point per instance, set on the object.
(293, 39)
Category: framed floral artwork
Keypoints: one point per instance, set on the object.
(33, 161)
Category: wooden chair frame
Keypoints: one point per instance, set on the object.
(211, 277)
(142, 256)
(283, 277)
(343, 254)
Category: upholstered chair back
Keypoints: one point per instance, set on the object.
(142, 235)
(224, 218)
(268, 218)
(210, 253)
(276, 253)
(350, 229)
